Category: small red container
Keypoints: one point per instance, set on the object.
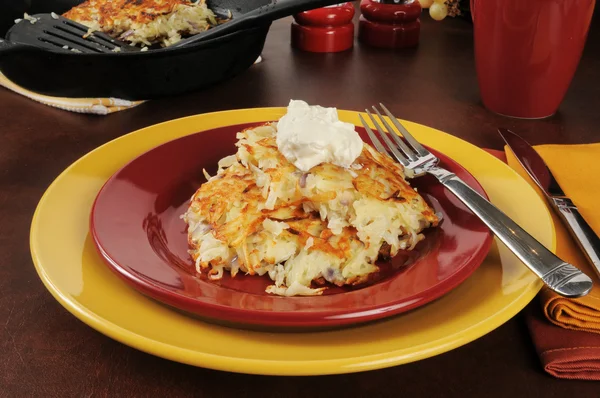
(388, 25)
(324, 30)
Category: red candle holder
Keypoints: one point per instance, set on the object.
(324, 30)
(389, 23)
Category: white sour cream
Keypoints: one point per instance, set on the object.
(310, 135)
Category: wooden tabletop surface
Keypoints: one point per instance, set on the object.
(46, 352)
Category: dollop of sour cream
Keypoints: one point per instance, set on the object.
(310, 135)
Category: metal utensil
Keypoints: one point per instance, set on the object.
(562, 277)
(57, 33)
(585, 236)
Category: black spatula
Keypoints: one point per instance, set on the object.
(54, 32)
(57, 33)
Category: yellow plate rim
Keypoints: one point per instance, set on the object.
(262, 366)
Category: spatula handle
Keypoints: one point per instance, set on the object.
(267, 13)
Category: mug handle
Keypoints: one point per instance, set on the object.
(472, 8)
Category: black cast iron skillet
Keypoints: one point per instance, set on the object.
(134, 76)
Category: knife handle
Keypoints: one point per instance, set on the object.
(563, 278)
(580, 229)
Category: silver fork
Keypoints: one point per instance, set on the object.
(562, 277)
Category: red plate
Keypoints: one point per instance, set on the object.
(136, 227)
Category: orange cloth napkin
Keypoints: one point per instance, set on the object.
(576, 168)
(564, 353)
(568, 354)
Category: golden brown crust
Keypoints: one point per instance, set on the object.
(233, 204)
(141, 11)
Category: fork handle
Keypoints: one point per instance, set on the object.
(562, 277)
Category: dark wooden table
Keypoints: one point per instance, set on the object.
(46, 352)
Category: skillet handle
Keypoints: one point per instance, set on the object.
(268, 13)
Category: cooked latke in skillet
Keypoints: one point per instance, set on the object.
(144, 22)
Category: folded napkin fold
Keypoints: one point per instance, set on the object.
(96, 106)
(573, 350)
(564, 353)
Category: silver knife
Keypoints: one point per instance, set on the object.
(585, 236)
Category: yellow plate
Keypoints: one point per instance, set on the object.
(68, 265)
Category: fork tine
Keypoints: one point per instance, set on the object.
(387, 140)
(378, 145)
(407, 151)
(411, 140)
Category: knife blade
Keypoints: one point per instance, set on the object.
(535, 166)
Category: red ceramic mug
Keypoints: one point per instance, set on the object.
(527, 51)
